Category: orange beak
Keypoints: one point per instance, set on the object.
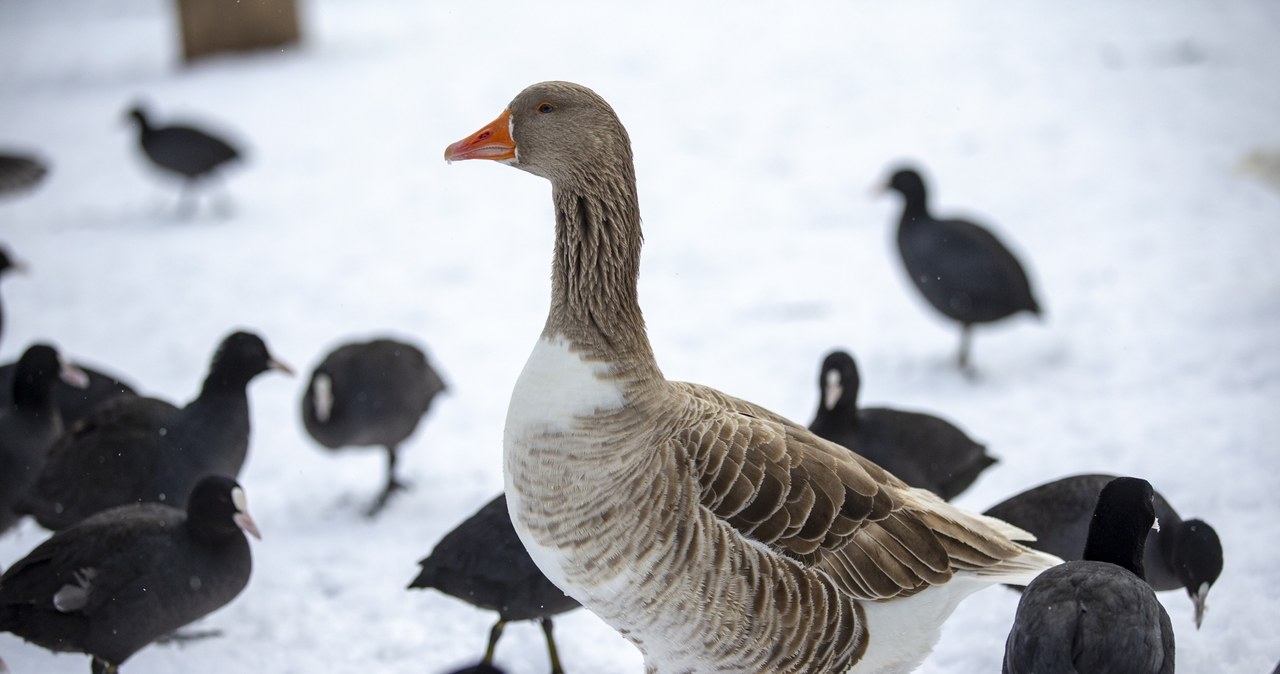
(491, 142)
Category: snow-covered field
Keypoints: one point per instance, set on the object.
(1101, 138)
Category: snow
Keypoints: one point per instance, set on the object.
(1103, 140)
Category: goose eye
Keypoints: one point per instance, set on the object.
(546, 107)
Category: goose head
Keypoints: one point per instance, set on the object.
(561, 131)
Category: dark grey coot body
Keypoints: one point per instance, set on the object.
(483, 563)
(1097, 615)
(139, 449)
(194, 155)
(960, 267)
(8, 264)
(30, 422)
(370, 394)
(20, 172)
(920, 449)
(73, 403)
(123, 578)
(1181, 555)
(183, 150)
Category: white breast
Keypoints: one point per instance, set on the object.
(557, 387)
(557, 392)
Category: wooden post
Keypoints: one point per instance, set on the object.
(214, 26)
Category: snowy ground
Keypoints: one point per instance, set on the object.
(1101, 138)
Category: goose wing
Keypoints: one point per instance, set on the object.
(815, 502)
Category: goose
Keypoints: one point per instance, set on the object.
(960, 267)
(920, 449)
(73, 401)
(712, 533)
(31, 422)
(1097, 614)
(135, 449)
(483, 563)
(1182, 555)
(370, 393)
(192, 154)
(127, 576)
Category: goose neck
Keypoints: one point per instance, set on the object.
(595, 271)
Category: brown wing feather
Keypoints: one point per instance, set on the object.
(824, 506)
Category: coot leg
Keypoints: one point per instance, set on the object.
(494, 635)
(223, 206)
(392, 486)
(186, 200)
(181, 637)
(966, 341)
(551, 646)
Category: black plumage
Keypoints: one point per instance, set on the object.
(370, 394)
(134, 449)
(8, 264)
(30, 422)
(73, 403)
(1181, 555)
(483, 563)
(1097, 615)
(125, 577)
(192, 154)
(20, 172)
(960, 267)
(920, 449)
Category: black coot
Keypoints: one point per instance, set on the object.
(370, 394)
(135, 449)
(192, 154)
(1097, 615)
(483, 563)
(20, 172)
(125, 577)
(1182, 554)
(8, 264)
(960, 267)
(73, 403)
(30, 422)
(920, 449)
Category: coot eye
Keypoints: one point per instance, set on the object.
(546, 107)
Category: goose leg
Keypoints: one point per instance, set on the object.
(392, 485)
(552, 651)
(100, 666)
